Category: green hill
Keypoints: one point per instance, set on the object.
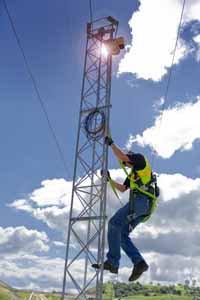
(137, 291)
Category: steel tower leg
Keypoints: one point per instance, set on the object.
(87, 217)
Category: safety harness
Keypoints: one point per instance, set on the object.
(144, 182)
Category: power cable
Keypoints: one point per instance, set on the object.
(170, 74)
(36, 89)
(95, 124)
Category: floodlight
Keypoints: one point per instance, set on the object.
(114, 46)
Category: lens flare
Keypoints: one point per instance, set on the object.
(104, 50)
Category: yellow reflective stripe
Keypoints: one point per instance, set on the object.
(145, 174)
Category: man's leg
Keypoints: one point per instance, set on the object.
(127, 245)
(141, 208)
(140, 265)
(115, 225)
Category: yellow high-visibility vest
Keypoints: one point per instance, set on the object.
(144, 175)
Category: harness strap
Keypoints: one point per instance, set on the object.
(115, 191)
(113, 187)
(136, 187)
(124, 169)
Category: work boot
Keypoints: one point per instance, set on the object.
(106, 266)
(138, 269)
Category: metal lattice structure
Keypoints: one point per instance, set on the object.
(87, 218)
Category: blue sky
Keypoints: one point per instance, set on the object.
(33, 180)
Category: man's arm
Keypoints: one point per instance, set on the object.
(117, 151)
(119, 186)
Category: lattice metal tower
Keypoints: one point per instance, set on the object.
(87, 218)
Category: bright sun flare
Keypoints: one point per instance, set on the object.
(104, 50)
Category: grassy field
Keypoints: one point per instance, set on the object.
(26, 295)
(160, 297)
(134, 292)
(5, 294)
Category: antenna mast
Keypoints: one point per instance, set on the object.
(87, 217)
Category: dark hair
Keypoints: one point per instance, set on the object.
(126, 162)
(130, 152)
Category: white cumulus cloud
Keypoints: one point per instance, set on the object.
(32, 271)
(52, 192)
(176, 128)
(154, 30)
(175, 219)
(177, 212)
(19, 239)
(192, 11)
(197, 41)
(175, 186)
(51, 202)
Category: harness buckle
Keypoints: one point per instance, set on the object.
(131, 217)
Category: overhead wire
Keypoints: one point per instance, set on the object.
(29, 71)
(169, 76)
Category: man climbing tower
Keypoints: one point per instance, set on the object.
(142, 201)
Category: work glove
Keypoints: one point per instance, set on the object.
(108, 141)
(107, 174)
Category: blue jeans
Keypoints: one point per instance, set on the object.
(119, 230)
